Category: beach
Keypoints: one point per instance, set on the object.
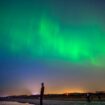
(50, 102)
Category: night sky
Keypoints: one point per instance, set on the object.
(58, 42)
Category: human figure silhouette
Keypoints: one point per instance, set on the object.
(99, 97)
(88, 96)
(41, 93)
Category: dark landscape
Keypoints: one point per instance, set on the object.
(56, 99)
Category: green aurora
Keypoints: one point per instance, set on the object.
(47, 37)
(58, 42)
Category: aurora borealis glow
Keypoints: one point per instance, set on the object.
(62, 38)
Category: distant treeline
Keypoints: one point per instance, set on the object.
(68, 96)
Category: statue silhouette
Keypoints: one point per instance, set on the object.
(88, 96)
(41, 93)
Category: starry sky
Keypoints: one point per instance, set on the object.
(58, 42)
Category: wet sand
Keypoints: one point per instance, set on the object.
(51, 102)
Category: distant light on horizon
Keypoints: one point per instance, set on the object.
(35, 93)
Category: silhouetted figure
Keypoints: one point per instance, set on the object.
(88, 96)
(99, 97)
(41, 94)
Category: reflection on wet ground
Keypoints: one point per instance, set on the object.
(53, 102)
(13, 103)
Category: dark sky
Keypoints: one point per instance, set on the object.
(59, 42)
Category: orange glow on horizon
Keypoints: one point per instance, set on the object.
(65, 91)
